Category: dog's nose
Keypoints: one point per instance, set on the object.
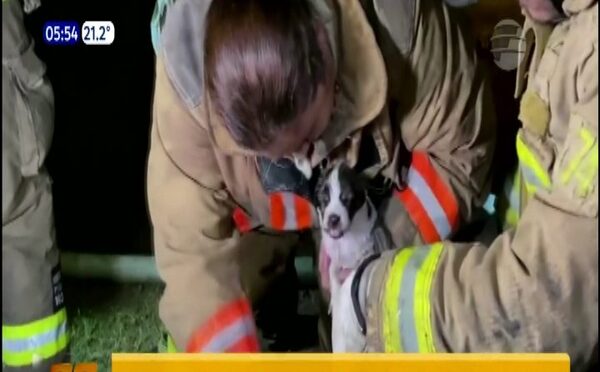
(333, 221)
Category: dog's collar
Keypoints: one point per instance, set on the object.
(354, 288)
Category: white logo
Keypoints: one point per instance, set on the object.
(505, 44)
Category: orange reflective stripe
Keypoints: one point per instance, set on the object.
(247, 344)
(290, 211)
(277, 211)
(442, 192)
(418, 215)
(236, 315)
(428, 201)
(242, 220)
(303, 212)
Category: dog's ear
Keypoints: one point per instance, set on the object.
(321, 180)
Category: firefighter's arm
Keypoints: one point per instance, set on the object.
(196, 248)
(535, 289)
(446, 121)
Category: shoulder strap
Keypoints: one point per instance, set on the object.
(531, 48)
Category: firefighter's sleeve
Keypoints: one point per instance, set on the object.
(446, 121)
(534, 289)
(196, 248)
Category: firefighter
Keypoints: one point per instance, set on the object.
(534, 289)
(34, 333)
(248, 92)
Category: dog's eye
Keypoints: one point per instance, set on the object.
(324, 195)
(346, 198)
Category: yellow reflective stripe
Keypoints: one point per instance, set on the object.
(509, 201)
(30, 357)
(171, 348)
(34, 328)
(588, 172)
(529, 160)
(407, 316)
(511, 217)
(531, 188)
(422, 301)
(391, 328)
(588, 141)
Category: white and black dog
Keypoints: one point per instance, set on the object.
(348, 221)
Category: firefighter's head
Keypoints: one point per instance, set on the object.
(270, 73)
(544, 11)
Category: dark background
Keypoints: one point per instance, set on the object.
(103, 98)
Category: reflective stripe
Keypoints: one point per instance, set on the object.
(532, 182)
(584, 166)
(290, 211)
(588, 141)
(304, 212)
(277, 211)
(244, 345)
(26, 344)
(534, 174)
(33, 342)
(429, 201)
(407, 300)
(512, 189)
(423, 317)
(222, 327)
(511, 218)
(588, 172)
(392, 294)
(512, 199)
(171, 348)
(242, 220)
(35, 327)
(231, 335)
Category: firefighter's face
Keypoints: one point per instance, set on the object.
(297, 137)
(542, 11)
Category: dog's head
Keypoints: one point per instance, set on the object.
(340, 193)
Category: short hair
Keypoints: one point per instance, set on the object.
(263, 65)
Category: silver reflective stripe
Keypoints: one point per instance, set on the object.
(406, 304)
(435, 211)
(230, 335)
(513, 193)
(530, 177)
(290, 211)
(34, 342)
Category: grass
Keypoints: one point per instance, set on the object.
(107, 317)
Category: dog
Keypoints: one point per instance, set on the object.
(348, 221)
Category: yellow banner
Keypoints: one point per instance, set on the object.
(340, 362)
